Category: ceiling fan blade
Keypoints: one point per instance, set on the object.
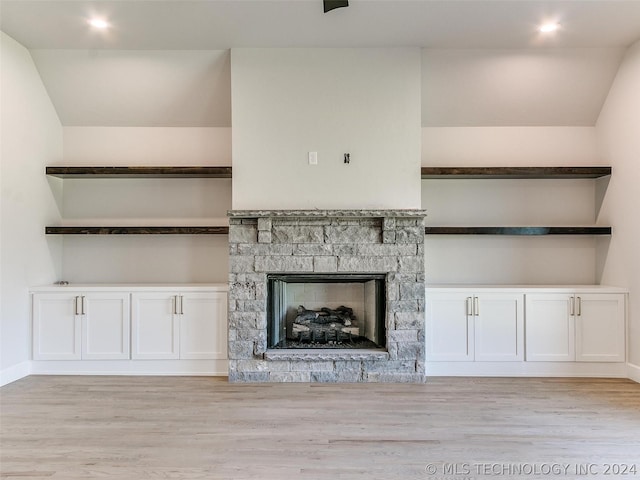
(333, 4)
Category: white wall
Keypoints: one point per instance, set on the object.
(147, 146)
(160, 107)
(510, 146)
(505, 260)
(138, 88)
(557, 202)
(162, 202)
(31, 138)
(512, 107)
(618, 130)
(516, 87)
(146, 259)
(287, 102)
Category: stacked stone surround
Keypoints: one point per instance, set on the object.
(326, 241)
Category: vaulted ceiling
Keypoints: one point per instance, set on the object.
(166, 63)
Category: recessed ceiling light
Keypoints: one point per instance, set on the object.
(99, 23)
(549, 27)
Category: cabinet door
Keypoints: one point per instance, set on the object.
(449, 327)
(550, 328)
(105, 326)
(155, 328)
(600, 327)
(203, 325)
(499, 327)
(56, 326)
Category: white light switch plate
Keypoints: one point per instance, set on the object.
(313, 158)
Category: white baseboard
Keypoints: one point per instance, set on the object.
(633, 372)
(16, 372)
(213, 368)
(525, 369)
(220, 368)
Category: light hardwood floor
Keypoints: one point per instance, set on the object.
(138, 428)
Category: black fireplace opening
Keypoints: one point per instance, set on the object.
(326, 310)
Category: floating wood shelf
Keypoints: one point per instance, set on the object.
(139, 172)
(224, 230)
(523, 231)
(426, 172)
(206, 230)
(515, 172)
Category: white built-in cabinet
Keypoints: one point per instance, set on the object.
(199, 337)
(57, 327)
(187, 324)
(465, 325)
(78, 325)
(133, 328)
(179, 326)
(525, 330)
(105, 326)
(155, 327)
(600, 327)
(511, 329)
(582, 327)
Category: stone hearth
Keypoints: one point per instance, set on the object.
(389, 242)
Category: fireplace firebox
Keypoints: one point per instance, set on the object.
(326, 311)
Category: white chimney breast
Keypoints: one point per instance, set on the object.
(288, 102)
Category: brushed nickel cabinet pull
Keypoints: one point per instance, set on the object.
(571, 306)
(82, 308)
(181, 305)
(469, 306)
(75, 305)
(476, 306)
(579, 306)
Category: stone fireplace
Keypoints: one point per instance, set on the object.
(326, 296)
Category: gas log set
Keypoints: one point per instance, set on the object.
(325, 326)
